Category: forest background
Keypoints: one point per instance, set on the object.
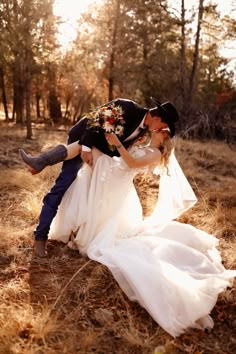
(67, 303)
(131, 49)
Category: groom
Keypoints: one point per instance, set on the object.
(136, 119)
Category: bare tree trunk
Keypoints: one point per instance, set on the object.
(28, 93)
(68, 101)
(113, 52)
(145, 66)
(80, 105)
(193, 77)
(183, 59)
(14, 104)
(18, 88)
(19, 102)
(54, 107)
(4, 96)
(53, 101)
(38, 96)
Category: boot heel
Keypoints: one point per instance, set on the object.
(32, 170)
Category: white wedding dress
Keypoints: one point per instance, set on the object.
(172, 269)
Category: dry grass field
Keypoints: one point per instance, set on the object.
(70, 304)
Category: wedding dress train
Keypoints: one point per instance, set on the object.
(172, 269)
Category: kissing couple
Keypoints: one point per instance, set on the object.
(173, 270)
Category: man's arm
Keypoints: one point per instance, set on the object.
(133, 114)
(89, 135)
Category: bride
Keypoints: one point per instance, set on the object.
(172, 269)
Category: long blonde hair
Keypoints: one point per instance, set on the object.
(166, 149)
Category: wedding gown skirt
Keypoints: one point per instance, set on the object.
(173, 270)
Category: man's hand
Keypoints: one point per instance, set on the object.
(87, 157)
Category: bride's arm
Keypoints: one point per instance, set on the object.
(146, 160)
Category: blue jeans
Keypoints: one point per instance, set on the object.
(67, 175)
(52, 200)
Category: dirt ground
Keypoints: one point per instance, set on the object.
(70, 304)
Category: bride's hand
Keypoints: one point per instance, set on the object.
(112, 139)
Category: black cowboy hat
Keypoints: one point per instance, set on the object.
(168, 113)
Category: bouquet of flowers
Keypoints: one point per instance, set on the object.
(108, 118)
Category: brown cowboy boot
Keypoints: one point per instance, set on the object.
(40, 248)
(48, 158)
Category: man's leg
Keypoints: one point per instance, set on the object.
(52, 200)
